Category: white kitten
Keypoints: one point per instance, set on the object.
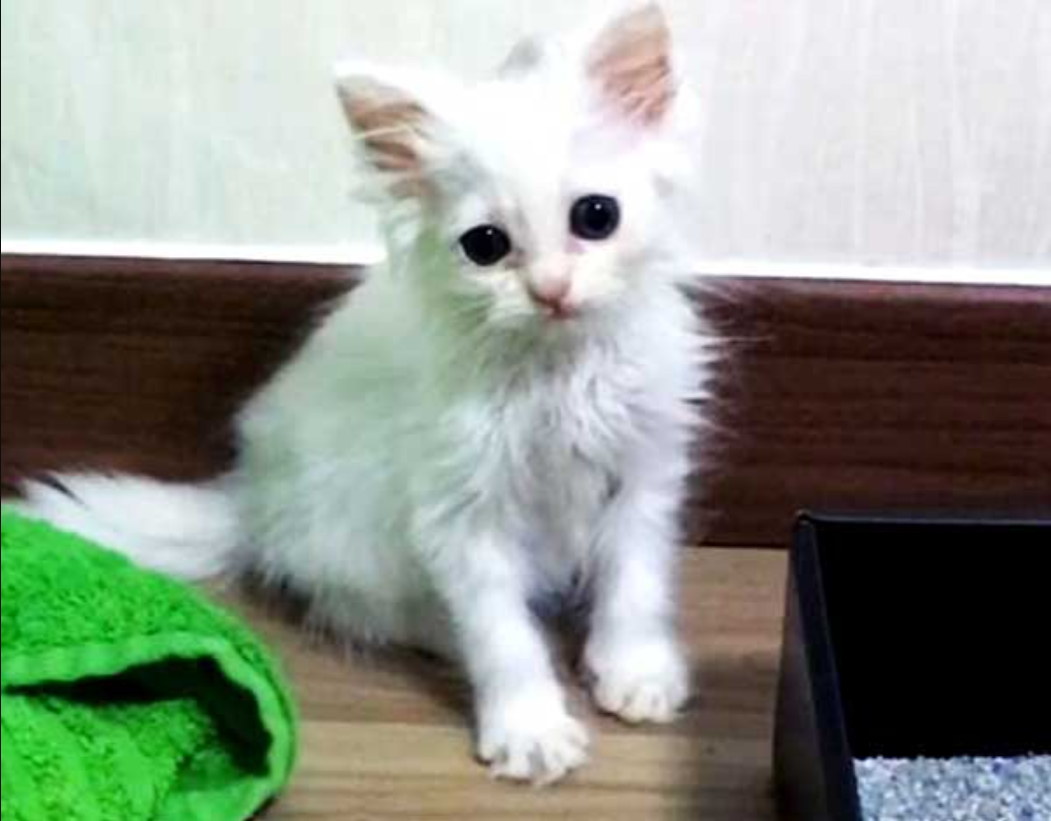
(502, 414)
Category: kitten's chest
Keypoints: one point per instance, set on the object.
(571, 442)
(583, 420)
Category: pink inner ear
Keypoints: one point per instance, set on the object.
(389, 128)
(631, 64)
(392, 128)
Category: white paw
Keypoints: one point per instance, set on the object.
(639, 682)
(532, 739)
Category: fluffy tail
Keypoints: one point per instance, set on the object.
(186, 531)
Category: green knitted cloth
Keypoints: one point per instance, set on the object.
(127, 697)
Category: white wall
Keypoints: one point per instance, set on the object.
(868, 131)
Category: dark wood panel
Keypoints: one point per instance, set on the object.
(876, 397)
(138, 365)
(846, 395)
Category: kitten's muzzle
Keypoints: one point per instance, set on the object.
(553, 298)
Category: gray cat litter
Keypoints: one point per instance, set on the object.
(958, 789)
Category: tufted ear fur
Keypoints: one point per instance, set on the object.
(398, 133)
(630, 63)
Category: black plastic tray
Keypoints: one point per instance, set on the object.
(909, 638)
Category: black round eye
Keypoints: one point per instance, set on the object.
(486, 245)
(594, 217)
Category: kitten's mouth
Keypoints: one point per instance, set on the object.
(561, 313)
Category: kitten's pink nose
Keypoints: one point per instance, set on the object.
(552, 295)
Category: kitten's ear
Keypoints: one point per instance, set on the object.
(397, 132)
(631, 64)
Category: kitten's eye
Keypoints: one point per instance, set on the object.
(486, 245)
(594, 217)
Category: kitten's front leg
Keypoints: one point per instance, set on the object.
(633, 655)
(524, 731)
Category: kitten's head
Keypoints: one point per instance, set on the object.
(534, 199)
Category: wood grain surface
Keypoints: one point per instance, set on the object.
(387, 736)
(886, 398)
(865, 397)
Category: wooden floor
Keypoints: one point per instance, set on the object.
(387, 737)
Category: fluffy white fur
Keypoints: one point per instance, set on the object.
(443, 452)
